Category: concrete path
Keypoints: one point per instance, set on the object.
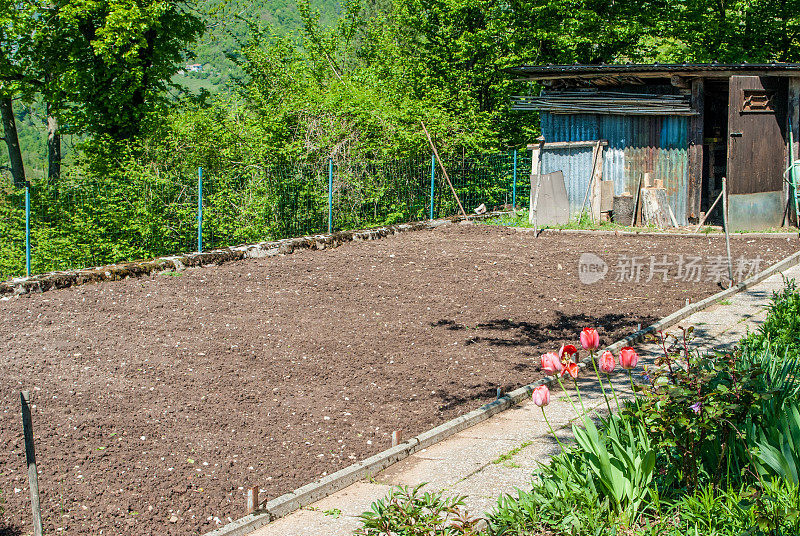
(498, 455)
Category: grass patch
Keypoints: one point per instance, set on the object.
(511, 453)
(586, 224)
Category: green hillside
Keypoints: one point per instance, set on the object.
(228, 24)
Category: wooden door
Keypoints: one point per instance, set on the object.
(756, 128)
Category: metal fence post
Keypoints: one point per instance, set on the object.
(28, 228)
(330, 195)
(433, 180)
(199, 210)
(514, 187)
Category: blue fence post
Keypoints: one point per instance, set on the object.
(433, 180)
(199, 210)
(330, 195)
(514, 188)
(28, 229)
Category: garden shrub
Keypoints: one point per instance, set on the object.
(563, 498)
(781, 329)
(410, 512)
(696, 408)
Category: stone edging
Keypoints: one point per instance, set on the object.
(115, 272)
(339, 480)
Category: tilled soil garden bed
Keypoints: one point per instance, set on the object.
(158, 400)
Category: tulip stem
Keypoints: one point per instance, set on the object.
(558, 379)
(613, 392)
(551, 430)
(580, 398)
(600, 379)
(633, 389)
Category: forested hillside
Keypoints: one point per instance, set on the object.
(296, 83)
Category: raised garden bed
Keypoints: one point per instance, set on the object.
(158, 398)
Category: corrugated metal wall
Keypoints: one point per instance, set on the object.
(636, 144)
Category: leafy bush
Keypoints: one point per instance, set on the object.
(696, 408)
(565, 498)
(781, 329)
(622, 460)
(409, 512)
(779, 445)
(778, 377)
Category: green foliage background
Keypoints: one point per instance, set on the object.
(288, 85)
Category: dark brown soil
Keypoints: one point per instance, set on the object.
(159, 400)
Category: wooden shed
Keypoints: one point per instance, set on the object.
(688, 125)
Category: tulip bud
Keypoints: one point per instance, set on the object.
(628, 358)
(541, 396)
(607, 362)
(551, 363)
(590, 339)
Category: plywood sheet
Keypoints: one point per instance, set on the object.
(553, 206)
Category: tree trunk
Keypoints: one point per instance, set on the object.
(53, 149)
(12, 141)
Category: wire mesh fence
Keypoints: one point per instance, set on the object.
(87, 222)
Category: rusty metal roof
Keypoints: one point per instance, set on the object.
(539, 72)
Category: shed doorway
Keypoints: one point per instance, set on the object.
(715, 147)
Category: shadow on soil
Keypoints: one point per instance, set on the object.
(543, 336)
(564, 327)
(8, 530)
(484, 392)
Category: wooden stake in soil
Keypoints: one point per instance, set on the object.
(397, 437)
(30, 458)
(637, 205)
(252, 500)
(708, 212)
(536, 165)
(595, 153)
(725, 221)
(444, 171)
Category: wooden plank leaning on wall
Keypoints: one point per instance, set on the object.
(695, 186)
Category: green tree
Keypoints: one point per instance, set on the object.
(729, 32)
(18, 72)
(120, 57)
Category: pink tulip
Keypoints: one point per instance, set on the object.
(628, 358)
(607, 362)
(541, 396)
(590, 339)
(572, 369)
(551, 363)
(568, 350)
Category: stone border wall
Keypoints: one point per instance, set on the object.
(116, 272)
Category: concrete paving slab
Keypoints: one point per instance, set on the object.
(309, 523)
(446, 463)
(466, 448)
(355, 499)
(516, 425)
(483, 488)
